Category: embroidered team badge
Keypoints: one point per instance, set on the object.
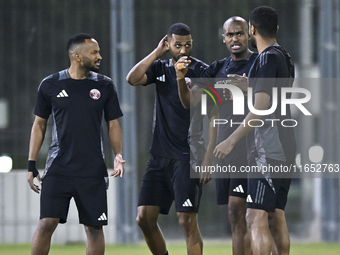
(188, 81)
(95, 94)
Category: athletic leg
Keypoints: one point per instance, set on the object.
(279, 231)
(189, 225)
(54, 203)
(274, 249)
(42, 237)
(147, 220)
(247, 244)
(95, 240)
(237, 219)
(261, 239)
(155, 197)
(232, 190)
(187, 195)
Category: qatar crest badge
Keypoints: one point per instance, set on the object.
(95, 94)
(188, 81)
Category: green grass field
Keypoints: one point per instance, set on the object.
(174, 249)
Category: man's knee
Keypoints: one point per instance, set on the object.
(141, 220)
(236, 211)
(256, 218)
(146, 216)
(187, 221)
(48, 225)
(250, 217)
(277, 220)
(94, 231)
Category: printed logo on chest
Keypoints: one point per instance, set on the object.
(95, 94)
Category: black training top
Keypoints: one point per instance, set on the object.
(272, 140)
(171, 119)
(220, 69)
(77, 108)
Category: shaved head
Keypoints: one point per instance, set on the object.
(235, 36)
(236, 19)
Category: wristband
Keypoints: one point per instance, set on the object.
(32, 168)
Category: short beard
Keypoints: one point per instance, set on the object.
(94, 69)
(176, 58)
(91, 68)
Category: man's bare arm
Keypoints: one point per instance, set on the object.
(189, 97)
(137, 75)
(224, 148)
(37, 137)
(212, 135)
(116, 140)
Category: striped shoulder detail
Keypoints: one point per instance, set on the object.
(198, 66)
(167, 63)
(98, 77)
(50, 77)
(195, 61)
(263, 59)
(63, 75)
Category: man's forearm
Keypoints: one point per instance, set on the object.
(36, 140)
(261, 103)
(116, 136)
(138, 71)
(184, 93)
(212, 133)
(243, 130)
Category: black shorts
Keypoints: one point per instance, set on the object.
(166, 180)
(267, 193)
(230, 185)
(89, 195)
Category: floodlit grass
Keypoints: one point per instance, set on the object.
(210, 248)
